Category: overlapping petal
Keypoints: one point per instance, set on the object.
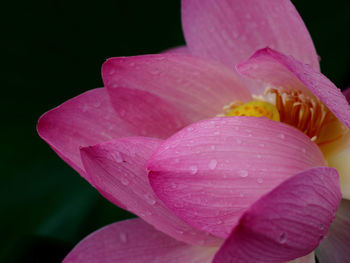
(177, 50)
(195, 88)
(146, 112)
(81, 121)
(210, 172)
(277, 69)
(232, 30)
(118, 170)
(134, 241)
(335, 247)
(288, 222)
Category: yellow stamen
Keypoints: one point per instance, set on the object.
(254, 108)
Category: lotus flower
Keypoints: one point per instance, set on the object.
(220, 147)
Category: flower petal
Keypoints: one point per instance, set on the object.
(341, 162)
(134, 241)
(210, 172)
(280, 70)
(177, 50)
(146, 112)
(84, 120)
(232, 30)
(196, 88)
(335, 247)
(118, 170)
(288, 222)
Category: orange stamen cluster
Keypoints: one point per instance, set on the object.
(308, 114)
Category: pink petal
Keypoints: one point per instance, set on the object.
(346, 93)
(195, 88)
(177, 50)
(335, 247)
(146, 112)
(279, 70)
(118, 170)
(232, 30)
(84, 120)
(212, 171)
(134, 241)
(288, 222)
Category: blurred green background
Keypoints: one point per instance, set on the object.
(53, 51)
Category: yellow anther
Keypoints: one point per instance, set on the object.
(255, 108)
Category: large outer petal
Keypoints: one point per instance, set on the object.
(194, 87)
(288, 222)
(134, 241)
(279, 70)
(117, 169)
(335, 247)
(232, 30)
(146, 112)
(81, 121)
(212, 171)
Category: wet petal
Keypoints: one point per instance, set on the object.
(195, 88)
(210, 172)
(288, 222)
(134, 241)
(81, 121)
(118, 170)
(232, 30)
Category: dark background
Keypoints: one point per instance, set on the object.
(53, 51)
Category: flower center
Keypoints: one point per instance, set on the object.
(254, 108)
(308, 114)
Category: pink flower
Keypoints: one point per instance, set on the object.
(215, 189)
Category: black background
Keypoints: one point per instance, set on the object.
(53, 51)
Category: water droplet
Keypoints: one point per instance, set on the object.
(238, 141)
(216, 133)
(262, 145)
(259, 180)
(193, 169)
(180, 232)
(117, 157)
(115, 85)
(124, 181)
(212, 147)
(258, 156)
(173, 185)
(283, 237)
(150, 199)
(212, 164)
(241, 195)
(131, 64)
(303, 150)
(243, 173)
(123, 237)
(281, 135)
(112, 71)
(155, 72)
(219, 222)
(322, 227)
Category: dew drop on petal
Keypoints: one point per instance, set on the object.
(243, 173)
(193, 169)
(281, 135)
(283, 238)
(150, 199)
(123, 237)
(259, 180)
(124, 181)
(212, 164)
